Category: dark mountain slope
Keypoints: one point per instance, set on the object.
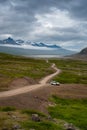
(82, 55)
(83, 52)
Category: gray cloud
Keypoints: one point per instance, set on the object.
(62, 22)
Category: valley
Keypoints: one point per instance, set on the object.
(43, 65)
(46, 101)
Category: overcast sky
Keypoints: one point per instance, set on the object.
(63, 22)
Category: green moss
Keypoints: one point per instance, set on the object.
(73, 71)
(45, 125)
(70, 110)
(23, 119)
(6, 109)
(12, 67)
(30, 112)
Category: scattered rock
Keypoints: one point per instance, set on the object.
(35, 117)
(52, 104)
(36, 97)
(50, 118)
(14, 117)
(55, 120)
(16, 127)
(69, 126)
(9, 113)
(41, 99)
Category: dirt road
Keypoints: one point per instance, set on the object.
(29, 88)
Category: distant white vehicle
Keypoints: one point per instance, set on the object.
(54, 83)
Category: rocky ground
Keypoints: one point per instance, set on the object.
(39, 99)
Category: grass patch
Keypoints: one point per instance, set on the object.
(23, 119)
(71, 110)
(71, 77)
(73, 71)
(7, 109)
(30, 112)
(45, 125)
(12, 67)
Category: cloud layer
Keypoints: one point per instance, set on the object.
(61, 22)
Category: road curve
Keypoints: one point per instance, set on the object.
(29, 88)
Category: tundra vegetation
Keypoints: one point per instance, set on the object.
(71, 110)
(73, 71)
(13, 67)
(65, 110)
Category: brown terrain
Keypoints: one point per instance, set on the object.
(37, 96)
(30, 88)
(39, 99)
(21, 82)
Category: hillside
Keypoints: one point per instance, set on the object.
(82, 55)
(83, 52)
(16, 71)
(61, 105)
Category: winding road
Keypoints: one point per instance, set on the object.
(29, 88)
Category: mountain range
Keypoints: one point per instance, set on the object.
(11, 41)
(27, 48)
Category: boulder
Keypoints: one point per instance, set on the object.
(16, 127)
(69, 126)
(35, 117)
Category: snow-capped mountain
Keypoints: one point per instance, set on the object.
(40, 44)
(27, 48)
(19, 41)
(10, 41)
